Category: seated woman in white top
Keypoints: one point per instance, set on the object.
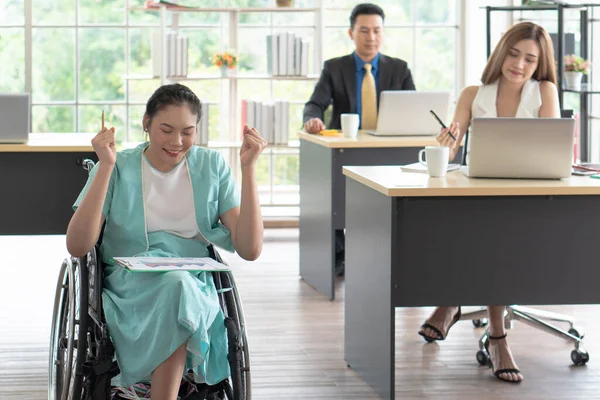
(519, 80)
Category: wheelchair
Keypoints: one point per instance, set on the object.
(82, 355)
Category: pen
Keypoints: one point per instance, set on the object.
(441, 123)
(102, 119)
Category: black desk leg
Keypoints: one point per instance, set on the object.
(369, 314)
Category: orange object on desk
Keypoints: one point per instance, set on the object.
(330, 132)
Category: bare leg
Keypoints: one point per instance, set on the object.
(166, 378)
(441, 318)
(500, 353)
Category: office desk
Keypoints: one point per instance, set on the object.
(39, 182)
(403, 250)
(322, 192)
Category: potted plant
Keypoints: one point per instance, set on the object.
(575, 68)
(284, 3)
(226, 61)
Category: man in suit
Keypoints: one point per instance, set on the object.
(353, 83)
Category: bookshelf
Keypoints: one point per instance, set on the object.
(230, 107)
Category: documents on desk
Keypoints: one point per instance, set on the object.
(409, 179)
(421, 168)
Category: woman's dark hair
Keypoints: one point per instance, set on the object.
(175, 94)
(365, 9)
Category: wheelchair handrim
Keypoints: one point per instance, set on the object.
(70, 302)
(54, 382)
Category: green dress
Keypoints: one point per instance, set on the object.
(150, 315)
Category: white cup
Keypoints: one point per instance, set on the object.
(350, 125)
(437, 160)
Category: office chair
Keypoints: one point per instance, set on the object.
(533, 317)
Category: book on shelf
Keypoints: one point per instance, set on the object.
(271, 119)
(166, 264)
(287, 55)
(202, 127)
(176, 53)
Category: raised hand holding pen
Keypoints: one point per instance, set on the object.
(441, 123)
(104, 145)
(448, 135)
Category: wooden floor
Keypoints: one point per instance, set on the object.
(296, 336)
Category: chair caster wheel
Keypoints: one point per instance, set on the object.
(483, 358)
(580, 357)
(577, 333)
(480, 323)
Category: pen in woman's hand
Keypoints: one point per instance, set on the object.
(441, 123)
(102, 119)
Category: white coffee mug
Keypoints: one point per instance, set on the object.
(437, 160)
(350, 125)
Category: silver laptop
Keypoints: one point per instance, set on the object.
(406, 113)
(15, 117)
(529, 148)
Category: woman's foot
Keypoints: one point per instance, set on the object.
(504, 366)
(436, 327)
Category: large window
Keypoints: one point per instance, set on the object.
(79, 57)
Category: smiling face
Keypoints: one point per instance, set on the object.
(521, 61)
(171, 133)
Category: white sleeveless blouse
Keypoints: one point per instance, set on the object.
(484, 104)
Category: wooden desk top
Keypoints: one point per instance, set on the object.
(366, 140)
(58, 143)
(53, 142)
(391, 181)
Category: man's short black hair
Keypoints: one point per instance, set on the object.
(365, 9)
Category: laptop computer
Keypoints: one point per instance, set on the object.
(406, 112)
(521, 148)
(15, 117)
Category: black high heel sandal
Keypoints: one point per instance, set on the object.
(439, 334)
(501, 371)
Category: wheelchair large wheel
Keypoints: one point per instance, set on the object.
(69, 333)
(239, 357)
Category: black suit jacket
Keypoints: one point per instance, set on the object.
(337, 85)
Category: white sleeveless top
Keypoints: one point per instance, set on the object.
(169, 200)
(484, 104)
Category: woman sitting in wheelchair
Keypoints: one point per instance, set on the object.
(167, 197)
